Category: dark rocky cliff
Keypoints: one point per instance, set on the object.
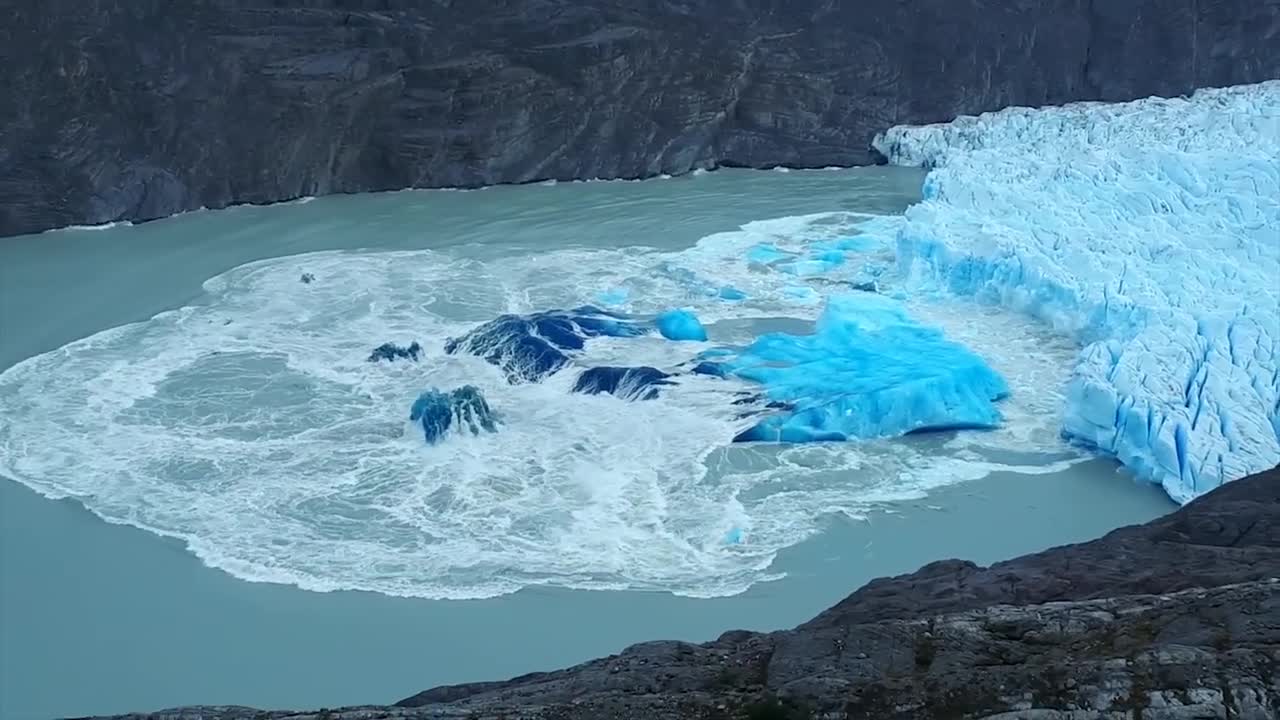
(1178, 619)
(135, 109)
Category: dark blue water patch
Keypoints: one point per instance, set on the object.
(628, 383)
(392, 352)
(464, 407)
(531, 347)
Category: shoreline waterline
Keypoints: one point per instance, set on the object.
(113, 606)
(109, 605)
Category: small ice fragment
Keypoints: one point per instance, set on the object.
(680, 325)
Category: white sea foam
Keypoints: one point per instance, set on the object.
(252, 427)
(103, 226)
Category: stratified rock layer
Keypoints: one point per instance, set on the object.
(136, 109)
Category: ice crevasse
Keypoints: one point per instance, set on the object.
(1150, 231)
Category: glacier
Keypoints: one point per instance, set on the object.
(1150, 232)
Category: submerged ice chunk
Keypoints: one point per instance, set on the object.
(627, 383)
(613, 296)
(391, 352)
(464, 407)
(867, 371)
(1150, 231)
(680, 325)
(802, 294)
(765, 254)
(530, 347)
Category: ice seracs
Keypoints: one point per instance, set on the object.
(1151, 231)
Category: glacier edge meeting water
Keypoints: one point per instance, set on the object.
(1150, 231)
(257, 426)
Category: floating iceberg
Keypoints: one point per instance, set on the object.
(392, 352)
(628, 383)
(767, 253)
(530, 347)
(867, 371)
(680, 325)
(1151, 232)
(464, 407)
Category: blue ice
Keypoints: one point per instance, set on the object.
(465, 407)
(613, 296)
(392, 352)
(802, 294)
(627, 383)
(1150, 232)
(680, 325)
(530, 347)
(857, 243)
(766, 253)
(729, 292)
(867, 371)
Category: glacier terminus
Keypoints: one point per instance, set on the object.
(1149, 231)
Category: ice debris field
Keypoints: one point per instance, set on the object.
(1077, 280)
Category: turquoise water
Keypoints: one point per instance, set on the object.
(248, 427)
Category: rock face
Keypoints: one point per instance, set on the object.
(136, 109)
(1178, 619)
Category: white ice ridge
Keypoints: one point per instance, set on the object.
(1149, 230)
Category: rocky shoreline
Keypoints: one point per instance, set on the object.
(123, 110)
(1175, 619)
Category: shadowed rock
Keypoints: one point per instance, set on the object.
(118, 109)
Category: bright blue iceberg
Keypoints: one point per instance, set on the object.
(680, 325)
(530, 347)
(464, 407)
(867, 371)
(628, 383)
(1150, 231)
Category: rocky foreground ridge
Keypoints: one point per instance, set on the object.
(137, 109)
(1177, 619)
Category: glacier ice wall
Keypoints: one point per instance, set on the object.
(1149, 230)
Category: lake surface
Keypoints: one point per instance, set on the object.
(238, 423)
